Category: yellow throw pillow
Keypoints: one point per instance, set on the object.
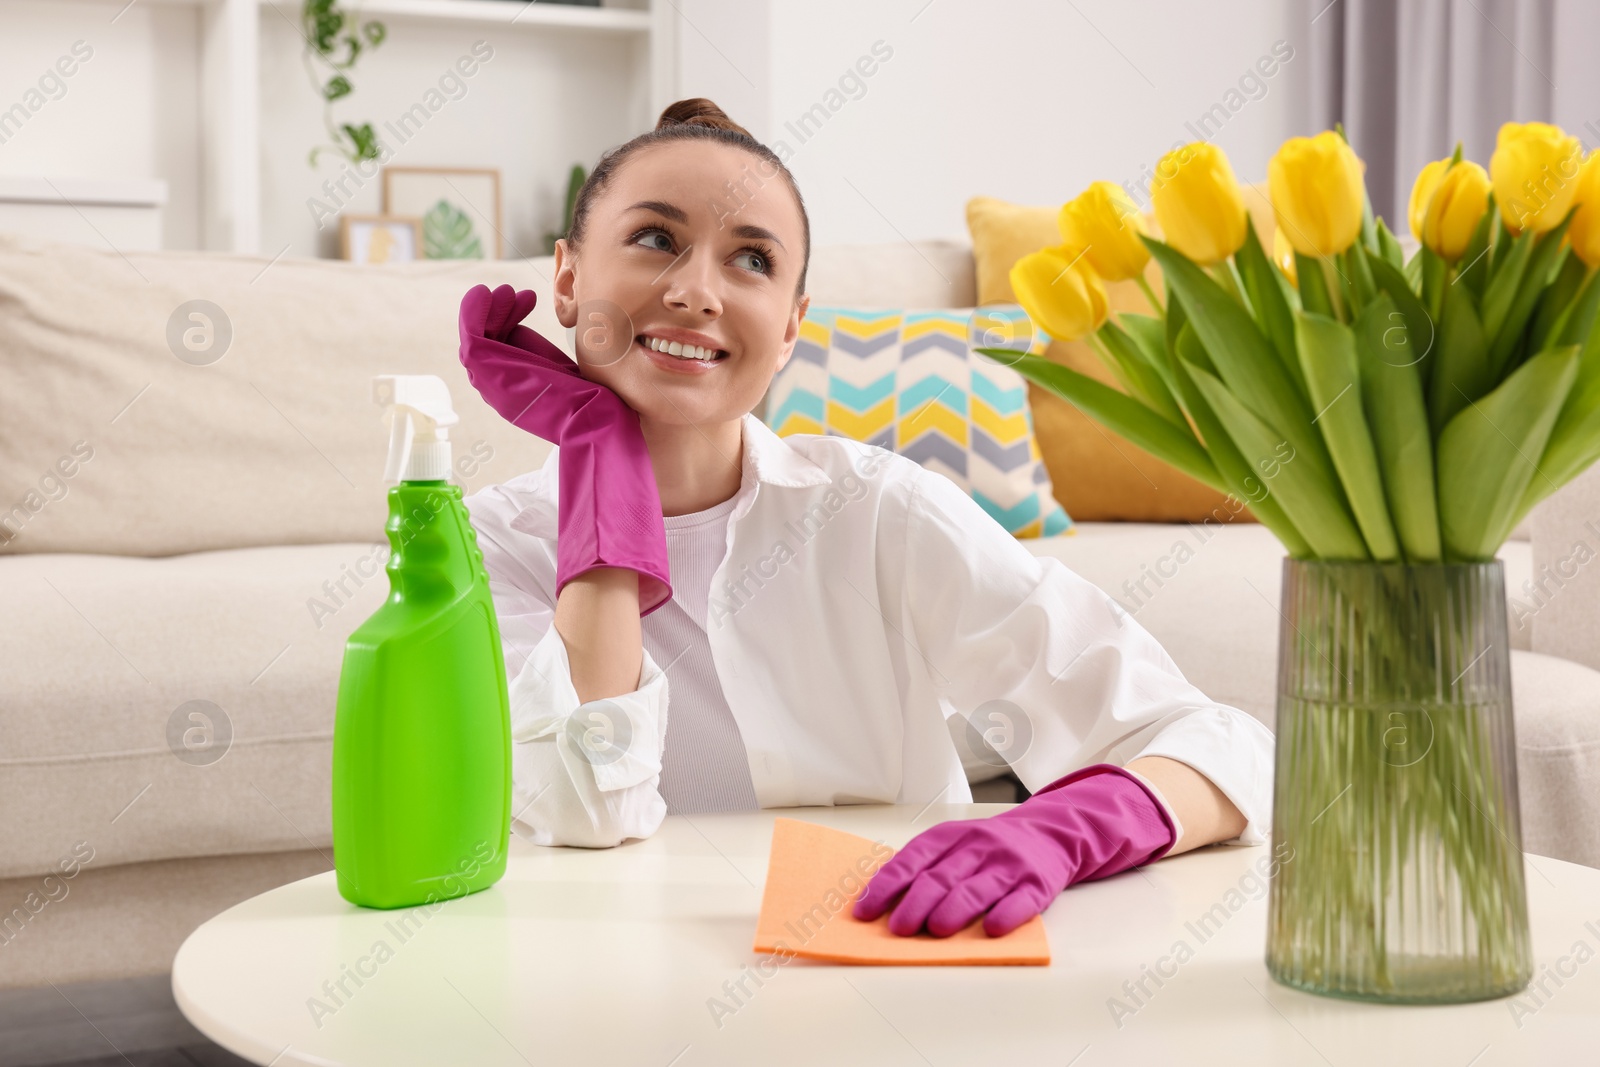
(1098, 475)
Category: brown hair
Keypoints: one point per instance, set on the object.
(695, 118)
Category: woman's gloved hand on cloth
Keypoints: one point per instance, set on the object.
(610, 506)
(1093, 823)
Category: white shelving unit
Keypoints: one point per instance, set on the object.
(230, 34)
(503, 13)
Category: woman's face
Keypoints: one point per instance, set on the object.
(691, 242)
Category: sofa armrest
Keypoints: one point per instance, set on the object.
(1563, 596)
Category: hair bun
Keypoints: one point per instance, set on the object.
(698, 111)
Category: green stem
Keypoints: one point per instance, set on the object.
(1150, 295)
(1228, 278)
(1333, 279)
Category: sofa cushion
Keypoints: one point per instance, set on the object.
(128, 427)
(908, 380)
(174, 707)
(1561, 603)
(1558, 756)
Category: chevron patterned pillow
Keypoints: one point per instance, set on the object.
(908, 381)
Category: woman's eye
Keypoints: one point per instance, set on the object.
(760, 266)
(657, 235)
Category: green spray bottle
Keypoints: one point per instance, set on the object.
(422, 737)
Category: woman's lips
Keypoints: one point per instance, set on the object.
(677, 365)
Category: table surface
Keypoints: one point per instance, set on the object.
(634, 955)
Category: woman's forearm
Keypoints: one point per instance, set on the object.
(597, 616)
(1205, 811)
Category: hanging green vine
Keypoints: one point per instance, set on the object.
(332, 35)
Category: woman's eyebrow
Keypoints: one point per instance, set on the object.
(661, 207)
(760, 233)
(677, 214)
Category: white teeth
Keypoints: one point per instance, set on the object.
(682, 351)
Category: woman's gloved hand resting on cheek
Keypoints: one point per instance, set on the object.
(610, 506)
(1093, 823)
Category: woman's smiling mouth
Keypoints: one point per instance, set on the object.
(680, 353)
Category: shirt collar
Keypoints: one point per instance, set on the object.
(769, 458)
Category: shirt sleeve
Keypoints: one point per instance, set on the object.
(1051, 670)
(583, 774)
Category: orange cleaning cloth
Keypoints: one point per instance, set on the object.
(815, 875)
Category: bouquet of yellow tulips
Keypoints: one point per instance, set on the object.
(1366, 405)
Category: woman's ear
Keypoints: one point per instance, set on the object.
(562, 289)
(791, 334)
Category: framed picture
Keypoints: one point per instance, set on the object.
(380, 238)
(459, 208)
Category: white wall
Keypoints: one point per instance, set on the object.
(129, 111)
(545, 100)
(1026, 100)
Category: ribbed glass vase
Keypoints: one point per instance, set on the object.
(1396, 786)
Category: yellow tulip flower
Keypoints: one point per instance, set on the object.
(1535, 170)
(1458, 202)
(1106, 224)
(1060, 291)
(1283, 256)
(1427, 180)
(1198, 203)
(1317, 195)
(1585, 229)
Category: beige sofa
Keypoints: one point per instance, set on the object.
(191, 512)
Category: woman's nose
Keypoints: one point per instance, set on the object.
(692, 284)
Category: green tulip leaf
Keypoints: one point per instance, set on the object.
(1149, 333)
(1486, 453)
(1328, 357)
(1242, 478)
(1557, 303)
(1505, 276)
(1310, 501)
(1575, 441)
(1244, 358)
(1144, 381)
(1461, 367)
(1391, 393)
(1544, 262)
(1265, 285)
(1313, 285)
(1474, 263)
(1389, 249)
(1357, 276)
(1118, 411)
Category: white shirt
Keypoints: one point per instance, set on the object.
(862, 601)
(704, 765)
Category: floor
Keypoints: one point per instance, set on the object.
(133, 1022)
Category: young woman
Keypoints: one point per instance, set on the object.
(821, 607)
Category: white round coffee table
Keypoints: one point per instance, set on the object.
(641, 955)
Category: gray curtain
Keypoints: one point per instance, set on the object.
(1410, 78)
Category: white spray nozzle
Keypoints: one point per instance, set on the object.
(418, 413)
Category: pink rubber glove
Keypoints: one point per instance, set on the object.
(1093, 823)
(609, 505)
